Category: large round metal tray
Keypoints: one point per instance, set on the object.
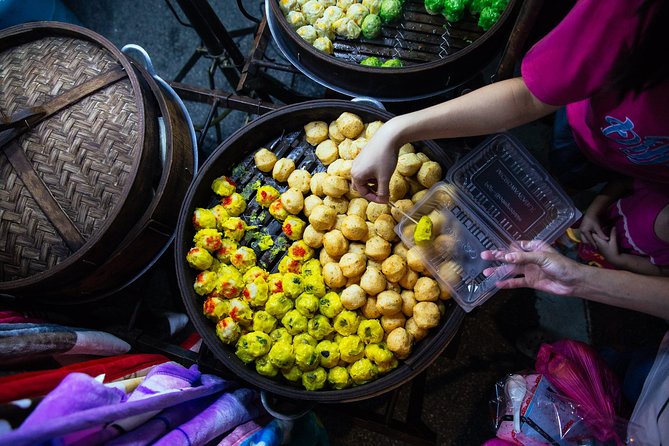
(282, 130)
(439, 56)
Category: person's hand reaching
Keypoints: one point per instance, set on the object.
(373, 167)
(535, 265)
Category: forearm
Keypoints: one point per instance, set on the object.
(637, 264)
(493, 108)
(644, 293)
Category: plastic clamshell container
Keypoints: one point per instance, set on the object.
(496, 195)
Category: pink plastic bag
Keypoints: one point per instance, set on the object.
(572, 398)
(575, 370)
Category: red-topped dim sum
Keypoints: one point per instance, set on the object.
(199, 258)
(265, 195)
(216, 308)
(243, 258)
(228, 246)
(209, 239)
(223, 186)
(205, 282)
(277, 210)
(300, 251)
(228, 330)
(234, 204)
(203, 218)
(293, 227)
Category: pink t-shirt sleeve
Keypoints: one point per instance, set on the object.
(574, 60)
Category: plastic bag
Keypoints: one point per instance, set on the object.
(576, 371)
(572, 399)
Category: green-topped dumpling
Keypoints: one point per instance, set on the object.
(278, 305)
(292, 374)
(328, 353)
(294, 322)
(314, 379)
(292, 284)
(390, 11)
(307, 304)
(346, 322)
(330, 305)
(371, 61)
(306, 357)
(281, 335)
(312, 267)
(370, 27)
(315, 285)
(319, 327)
(370, 331)
(304, 338)
(351, 348)
(282, 354)
(363, 371)
(265, 367)
(339, 378)
(393, 63)
(263, 321)
(253, 345)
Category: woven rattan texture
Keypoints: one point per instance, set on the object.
(84, 154)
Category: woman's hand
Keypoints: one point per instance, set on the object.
(535, 265)
(375, 164)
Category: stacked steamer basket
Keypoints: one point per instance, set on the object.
(439, 56)
(92, 150)
(282, 131)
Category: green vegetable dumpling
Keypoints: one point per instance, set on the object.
(371, 26)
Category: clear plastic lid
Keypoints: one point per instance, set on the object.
(496, 195)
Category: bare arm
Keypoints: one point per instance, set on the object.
(541, 267)
(493, 108)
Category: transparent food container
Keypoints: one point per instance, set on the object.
(496, 195)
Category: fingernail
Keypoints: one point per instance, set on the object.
(509, 257)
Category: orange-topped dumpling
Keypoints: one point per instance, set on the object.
(223, 186)
(265, 195)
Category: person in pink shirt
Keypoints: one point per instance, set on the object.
(628, 223)
(606, 65)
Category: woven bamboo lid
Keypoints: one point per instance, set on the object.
(74, 174)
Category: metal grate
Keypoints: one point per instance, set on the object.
(417, 38)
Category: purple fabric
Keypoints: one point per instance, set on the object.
(570, 66)
(229, 411)
(243, 431)
(162, 423)
(166, 377)
(77, 392)
(73, 420)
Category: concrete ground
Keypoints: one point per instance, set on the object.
(460, 383)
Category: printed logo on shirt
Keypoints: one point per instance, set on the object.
(646, 150)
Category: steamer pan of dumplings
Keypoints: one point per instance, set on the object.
(404, 53)
(495, 196)
(296, 284)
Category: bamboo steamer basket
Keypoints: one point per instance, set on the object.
(81, 179)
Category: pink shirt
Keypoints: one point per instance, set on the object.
(634, 218)
(569, 66)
